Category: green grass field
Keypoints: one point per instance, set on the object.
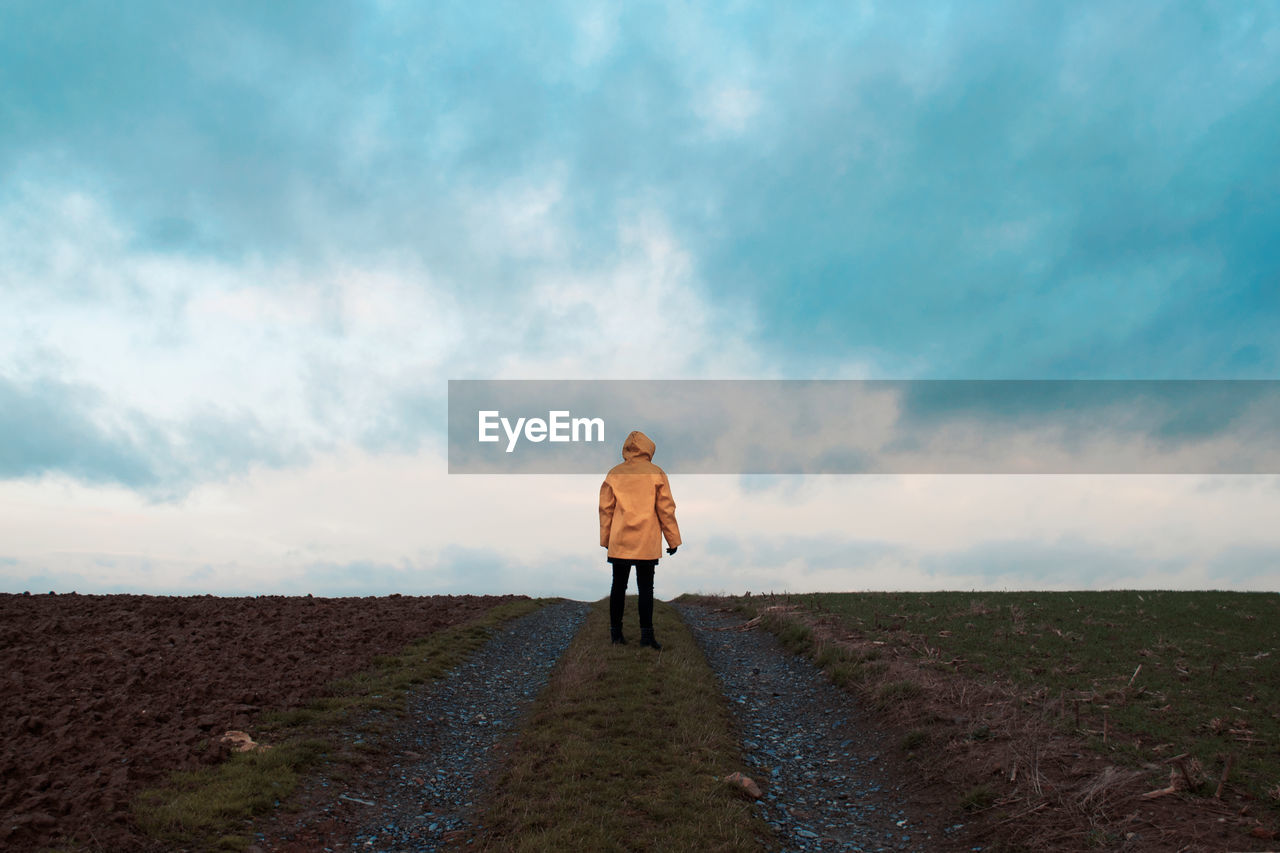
(1177, 672)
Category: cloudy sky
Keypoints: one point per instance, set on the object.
(244, 248)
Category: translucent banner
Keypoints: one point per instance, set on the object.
(869, 426)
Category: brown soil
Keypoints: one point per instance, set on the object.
(102, 696)
(1045, 788)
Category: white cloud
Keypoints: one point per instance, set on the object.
(729, 110)
(522, 219)
(274, 530)
(643, 314)
(596, 33)
(325, 355)
(172, 335)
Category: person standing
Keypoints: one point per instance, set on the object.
(636, 511)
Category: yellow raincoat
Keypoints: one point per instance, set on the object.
(636, 507)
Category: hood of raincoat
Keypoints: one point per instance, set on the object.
(638, 446)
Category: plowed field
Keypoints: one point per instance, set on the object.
(102, 696)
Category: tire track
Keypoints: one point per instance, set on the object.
(827, 784)
(439, 758)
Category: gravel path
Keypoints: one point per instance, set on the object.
(473, 707)
(826, 786)
(443, 750)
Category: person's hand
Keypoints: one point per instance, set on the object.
(671, 551)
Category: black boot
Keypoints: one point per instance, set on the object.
(615, 635)
(644, 580)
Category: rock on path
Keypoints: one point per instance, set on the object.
(822, 763)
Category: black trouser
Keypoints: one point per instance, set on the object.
(618, 592)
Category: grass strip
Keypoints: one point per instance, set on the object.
(625, 749)
(212, 807)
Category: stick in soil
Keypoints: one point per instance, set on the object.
(1223, 781)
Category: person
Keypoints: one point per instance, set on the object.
(636, 510)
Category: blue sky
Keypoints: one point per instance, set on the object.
(243, 248)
